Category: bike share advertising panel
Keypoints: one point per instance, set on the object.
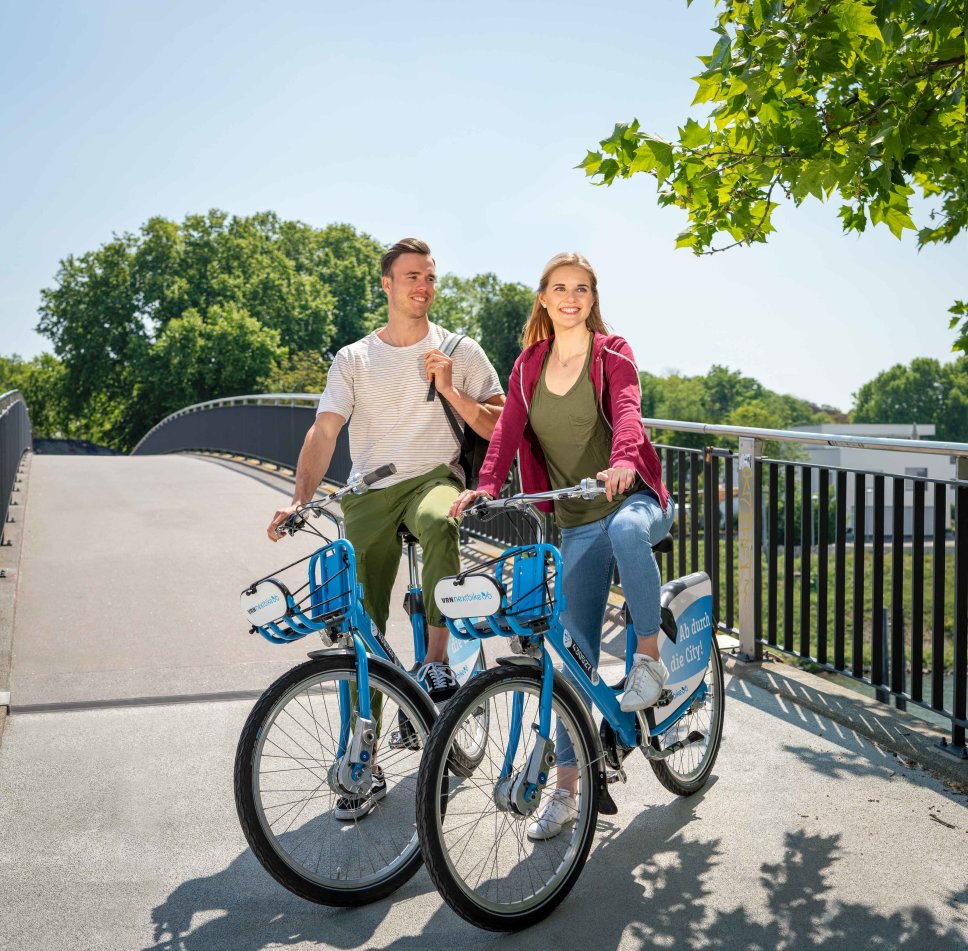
(687, 609)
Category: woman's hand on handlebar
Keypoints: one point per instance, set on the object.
(466, 498)
(618, 479)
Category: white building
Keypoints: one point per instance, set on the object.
(890, 463)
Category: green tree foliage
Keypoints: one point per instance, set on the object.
(41, 381)
(959, 312)
(859, 98)
(492, 312)
(923, 392)
(299, 373)
(724, 396)
(210, 307)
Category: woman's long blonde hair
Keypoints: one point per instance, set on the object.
(539, 326)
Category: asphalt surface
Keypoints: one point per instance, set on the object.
(118, 827)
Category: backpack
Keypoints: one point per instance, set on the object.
(473, 446)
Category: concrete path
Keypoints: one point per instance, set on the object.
(118, 831)
(118, 827)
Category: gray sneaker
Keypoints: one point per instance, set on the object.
(356, 807)
(438, 680)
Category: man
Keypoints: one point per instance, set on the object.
(380, 385)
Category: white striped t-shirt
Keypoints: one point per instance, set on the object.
(382, 391)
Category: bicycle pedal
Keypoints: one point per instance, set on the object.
(665, 698)
(615, 776)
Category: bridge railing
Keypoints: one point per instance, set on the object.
(863, 573)
(268, 427)
(876, 592)
(15, 440)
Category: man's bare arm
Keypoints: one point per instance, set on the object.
(481, 417)
(314, 459)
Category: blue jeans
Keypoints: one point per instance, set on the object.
(589, 554)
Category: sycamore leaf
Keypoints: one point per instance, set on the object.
(856, 18)
(693, 135)
(592, 162)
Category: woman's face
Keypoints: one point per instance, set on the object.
(569, 297)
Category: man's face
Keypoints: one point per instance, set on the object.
(411, 285)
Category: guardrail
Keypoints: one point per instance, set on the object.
(874, 590)
(15, 440)
(268, 427)
(781, 568)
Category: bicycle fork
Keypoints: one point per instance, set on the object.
(351, 772)
(519, 791)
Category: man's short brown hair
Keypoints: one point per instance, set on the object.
(403, 246)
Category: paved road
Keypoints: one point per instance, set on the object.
(118, 827)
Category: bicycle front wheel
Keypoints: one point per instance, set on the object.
(477, 847)
(686, 771)
(323, 847)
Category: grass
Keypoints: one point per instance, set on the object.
(790, 628)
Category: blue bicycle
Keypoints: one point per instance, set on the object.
(326, 766)
(475, 829)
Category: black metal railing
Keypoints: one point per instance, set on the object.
(14, 442)
(874, 590)
(860, 572)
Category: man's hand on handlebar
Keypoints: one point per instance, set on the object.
(466, 498)
(275, 531)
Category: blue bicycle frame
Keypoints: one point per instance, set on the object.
(533, 614)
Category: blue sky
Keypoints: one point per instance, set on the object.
(457, 123)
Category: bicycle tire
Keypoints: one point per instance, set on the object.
(669, 772)
(471, 743)
(439, 792)
(296, 699)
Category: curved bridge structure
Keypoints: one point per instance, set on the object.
(131, 674)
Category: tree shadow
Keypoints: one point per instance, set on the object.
(648, 882)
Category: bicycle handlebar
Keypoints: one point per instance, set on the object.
(586, 489)
(317, 507)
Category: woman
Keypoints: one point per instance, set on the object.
(573, 411)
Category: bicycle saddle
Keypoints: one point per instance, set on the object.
(406, 536)
(663, 546)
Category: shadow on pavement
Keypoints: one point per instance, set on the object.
(646, 883)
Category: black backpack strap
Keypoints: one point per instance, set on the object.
(447, 349)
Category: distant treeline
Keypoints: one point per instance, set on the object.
(220, 306)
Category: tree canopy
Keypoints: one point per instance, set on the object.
(727, 397)
(216, 305)
(923, 392)
(862, 99)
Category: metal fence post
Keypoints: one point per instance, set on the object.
(748, 548)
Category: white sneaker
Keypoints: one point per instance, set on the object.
(559, 811)
(644, 684)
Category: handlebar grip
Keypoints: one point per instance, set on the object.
(388, 470)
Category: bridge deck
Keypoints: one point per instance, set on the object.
(118, 827)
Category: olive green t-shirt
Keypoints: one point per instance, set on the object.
(576, 443)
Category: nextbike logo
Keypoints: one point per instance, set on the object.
(476, 596)
(264, 604)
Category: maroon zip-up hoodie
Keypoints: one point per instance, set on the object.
(616, 380)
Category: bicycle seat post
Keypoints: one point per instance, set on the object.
(410, 542)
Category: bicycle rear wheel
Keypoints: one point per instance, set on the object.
(686, 771)
(478, 852)
(470, 741)
(284, 800)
